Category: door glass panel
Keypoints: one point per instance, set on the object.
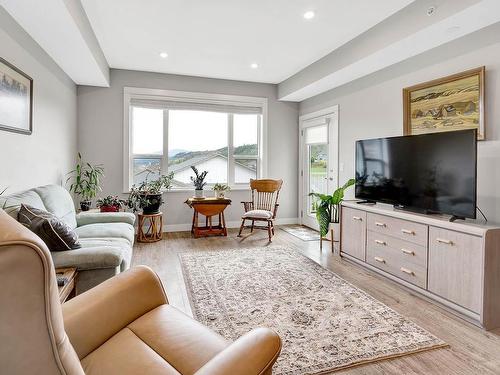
(318, 172)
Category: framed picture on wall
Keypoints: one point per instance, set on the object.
(451, 103)
(16, 99)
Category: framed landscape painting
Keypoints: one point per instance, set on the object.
(451, 103)
(16, 99)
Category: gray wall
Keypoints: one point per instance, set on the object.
(373, 106)
(100, 134)
(45, 156)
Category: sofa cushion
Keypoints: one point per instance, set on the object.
(107, 230)
(12, 203)
(91, 257)
(58, 201)
(56, 234)
(176, 337)
(104, 243)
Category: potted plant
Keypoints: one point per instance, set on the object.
(86, 182)
(148, 195)
(328, 210)
(221, 190)
(198, 181)
(111, 203)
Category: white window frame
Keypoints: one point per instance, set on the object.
(134, 93)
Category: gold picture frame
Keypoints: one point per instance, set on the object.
(455, 102)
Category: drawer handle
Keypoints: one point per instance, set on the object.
(357, 218)
(409, 272)
(409, 252)
(381, 242)
(407, 231)
(442, 240)
(380, 224)
(380, 260)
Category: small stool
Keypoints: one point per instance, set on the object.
(154, 224)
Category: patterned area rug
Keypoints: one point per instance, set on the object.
(299, 231)
(326, 324)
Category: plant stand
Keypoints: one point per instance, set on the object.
(321, 239)
(154, 227)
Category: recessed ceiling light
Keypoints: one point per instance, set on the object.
(309, 15)
(254, 66)
(163, 55)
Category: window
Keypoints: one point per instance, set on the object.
(169, 134)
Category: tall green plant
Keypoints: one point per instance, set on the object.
(86, 179)
(328, 209)
(199, 179)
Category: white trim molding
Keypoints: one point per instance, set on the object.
(159, 95)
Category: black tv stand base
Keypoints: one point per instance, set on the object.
(366, 202)
(454, 217)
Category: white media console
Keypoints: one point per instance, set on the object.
(454, 263)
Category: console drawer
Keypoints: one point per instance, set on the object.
(403, 229)
(381, 253)
(406, 252)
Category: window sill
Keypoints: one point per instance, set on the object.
(237, 188)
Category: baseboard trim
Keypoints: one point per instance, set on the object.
(229, 224)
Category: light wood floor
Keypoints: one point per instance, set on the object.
(472, 350)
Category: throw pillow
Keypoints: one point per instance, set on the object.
(56, 234)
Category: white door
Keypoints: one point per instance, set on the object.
(318, 161)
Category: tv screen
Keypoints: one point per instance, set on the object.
(430, 173)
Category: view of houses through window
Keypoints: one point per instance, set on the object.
(172, 140)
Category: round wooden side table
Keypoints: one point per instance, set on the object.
(150, 228)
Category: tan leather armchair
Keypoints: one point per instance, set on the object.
(122, 326)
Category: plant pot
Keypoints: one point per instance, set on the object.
(154, 203)
(220, 194)
(198, 193)
(110, 208)
(336, 232)
(85, 205)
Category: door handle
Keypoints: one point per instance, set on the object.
(378, 224)
(381, 242)
(442, 240)
(380, 260)
(357, 218)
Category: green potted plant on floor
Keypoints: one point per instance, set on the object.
(328, 210)
(198, 181)
(111, 203)
(148, 194)
(86, 181)
(221, 190)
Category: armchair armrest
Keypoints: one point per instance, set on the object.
(275, 210)
(248, 206)
(252, 354)
(93, 317)
(85, 218)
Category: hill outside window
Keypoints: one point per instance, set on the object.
(169, 133)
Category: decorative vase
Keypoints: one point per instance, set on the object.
(85, 205)
(220, 194)
(154, 203)
(198, 193)
(336, 232)
(110, 208)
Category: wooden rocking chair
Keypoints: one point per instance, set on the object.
(263, 207)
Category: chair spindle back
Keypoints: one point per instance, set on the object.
(265, 193)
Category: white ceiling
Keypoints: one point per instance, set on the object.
(222, 38)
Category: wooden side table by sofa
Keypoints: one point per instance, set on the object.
(150, 227)
(208, 207)
(68, 289)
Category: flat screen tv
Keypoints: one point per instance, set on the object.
(428, 173)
